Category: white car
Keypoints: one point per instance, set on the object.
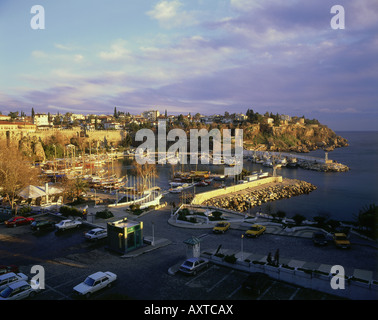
(96, 234)
(68, 224)
(11, 277)
(18, 291)
(192, 265)
(95, 282)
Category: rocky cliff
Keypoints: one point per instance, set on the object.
(292, 137)
(32, 148)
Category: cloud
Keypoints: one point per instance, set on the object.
(118, 51)
(169, 14)
(243, 5)
(63, 47)
(57, 58)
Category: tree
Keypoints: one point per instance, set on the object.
(298, 219)
(75, 187)
(144, 172)
(367, 219)
(13, 115)
(15, 173)
(32, 113)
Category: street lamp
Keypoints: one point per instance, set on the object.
(153, 234)
(242, 237)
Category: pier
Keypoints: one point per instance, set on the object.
(279, 159)
(280, 155)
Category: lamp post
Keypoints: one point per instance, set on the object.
(153, 234)
(242, 255)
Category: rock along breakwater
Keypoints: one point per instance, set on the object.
(243, 200)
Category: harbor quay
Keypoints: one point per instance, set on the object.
(279, 159)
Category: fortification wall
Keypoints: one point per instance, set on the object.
(113, 137)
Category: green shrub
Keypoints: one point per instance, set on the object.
(70, 211)
(105, 214)
(230, 258)
(298, 219)
(184, 211)
(24, 211)
(134, 207)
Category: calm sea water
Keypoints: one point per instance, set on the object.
(340, 195)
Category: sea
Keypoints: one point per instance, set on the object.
(339, 195)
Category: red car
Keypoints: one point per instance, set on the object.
(7, 269)
(18, 221)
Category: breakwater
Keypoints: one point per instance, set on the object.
(295, 160)
(249, 198)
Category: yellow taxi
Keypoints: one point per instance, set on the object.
(341, 240)
(221, 227)
(255, 231)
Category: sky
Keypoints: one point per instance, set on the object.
(206, 56)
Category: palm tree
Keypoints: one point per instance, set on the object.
(79, 186)
(367, 219)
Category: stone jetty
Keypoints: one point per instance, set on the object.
(242, 201)
(323, 167)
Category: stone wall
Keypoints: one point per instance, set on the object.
(111, 137)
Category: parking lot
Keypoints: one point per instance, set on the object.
(68, 258)
(213, 283)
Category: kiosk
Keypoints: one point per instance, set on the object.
(124, 235)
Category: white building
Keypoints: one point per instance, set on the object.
(240, 117)
(77, 116)
(151, 115)
(112, 125)
(285, 117)
(41, 119)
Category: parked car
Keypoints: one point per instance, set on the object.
(319, 239)
(18, 291)
(7, 269)
(192, 265)
(341, 240)
(96, 234)
(256, 283)
(68, 224)
(255, 231)
(18, 221)
(221, 227)
(94, 283)
(42, 225)
(11, 277)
